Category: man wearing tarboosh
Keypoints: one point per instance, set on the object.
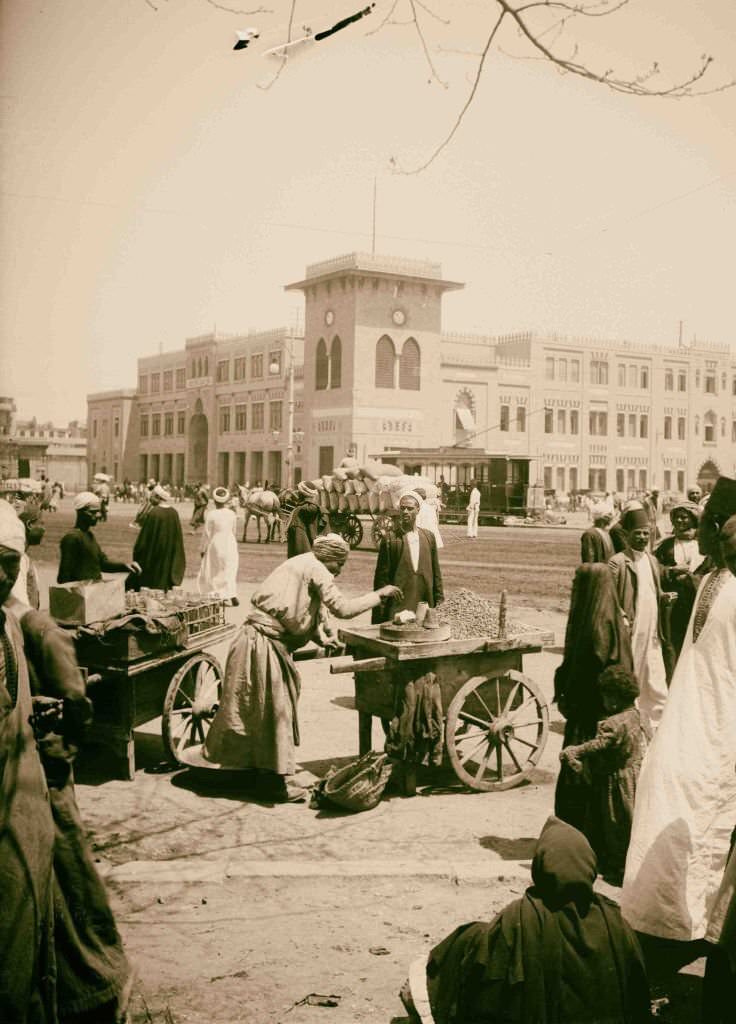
(408, 560)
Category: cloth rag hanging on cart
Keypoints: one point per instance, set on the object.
(416, 732)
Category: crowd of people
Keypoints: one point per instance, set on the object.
(645, 796)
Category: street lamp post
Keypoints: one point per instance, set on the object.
(274, 369)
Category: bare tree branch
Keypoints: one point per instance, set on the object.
(433, 14)
(420, 33)
(284, 57)
(386, 20)
(238, 10)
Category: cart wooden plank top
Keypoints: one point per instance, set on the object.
(496, 717)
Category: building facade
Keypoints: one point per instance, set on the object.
(30, 449)
(374, 373)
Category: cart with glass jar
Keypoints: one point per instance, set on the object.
(161, 658)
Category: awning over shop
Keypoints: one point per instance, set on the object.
(465, 418)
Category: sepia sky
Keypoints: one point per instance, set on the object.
(153, 186)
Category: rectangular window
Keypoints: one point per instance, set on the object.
(256, 416)
(575, 371)
(667, 428)
(669, 380)
(733, 386)
(143, 384)
(548, 478)
(256, 366)
(168, 380)
(620, 426)
(274, 415)
(116, 427)
(548, 421)
(644, 378)
(574, 421)
(599, 372)
(573, 478)
(592, 422)
(181, 378)
(643, 426)
(620, 480)
(561, 421)
(155, 383)
(520, 418)
(631, 480)
(709, 431)
(622, 375)
(560, 480)
(181, 422)
(143, 430)
(710, 383)
(223, 371)
(168, 424)
(668, 479)
(549, 368)
(632, 424)
(505, 417)
(326, 459)
(682, 381)
(680, 480)
(562, 369)
(239, 368)
(642, 479)
(274, 364)
(94, 429)
(681, 428)
(733, 430)
(156, 424)
(633, 376)
(241, 417)
(224, 419)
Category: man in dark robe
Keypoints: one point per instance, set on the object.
(561, 953)
(82, 558)
(683, 570)
(306, 522)
(159, 549)
(408, 559)
(595, 543)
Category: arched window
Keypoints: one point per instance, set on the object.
(321, 366)
(336, 363)
(206, 366)
(410, 366)
(709, 425)
(199, 367)
(385, 358)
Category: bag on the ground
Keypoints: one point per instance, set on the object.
(358, 786)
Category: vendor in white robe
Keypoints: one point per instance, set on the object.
(636, 574)
(218, 571)
(686, 799)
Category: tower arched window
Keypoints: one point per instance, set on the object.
(336, 363)
(321, 366)
(410, 366)
(385, 359)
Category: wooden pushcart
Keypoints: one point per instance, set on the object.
(496, 717)
(132, 686)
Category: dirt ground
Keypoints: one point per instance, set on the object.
(236, 911)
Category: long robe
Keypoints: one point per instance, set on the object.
(560, 954)
(159, 550)
(218, 571)
(686, 799)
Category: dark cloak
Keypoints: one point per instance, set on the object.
(596, 637)
(305, 524)
(560, 955)
(159, 551)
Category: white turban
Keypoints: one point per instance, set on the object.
(331, 547)
(12, 530)
(86, 499)
(409, 492)
(161, 492)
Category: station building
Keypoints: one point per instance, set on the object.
(375, 373)
(34, 449)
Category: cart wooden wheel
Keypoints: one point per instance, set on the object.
(351, 530)
(383, 526)
(191, 701)
(496, 729)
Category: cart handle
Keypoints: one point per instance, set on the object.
(341, 665)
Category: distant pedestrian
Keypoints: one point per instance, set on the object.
(473, 510)
(218, 571)
(201, 501)
(595, 543)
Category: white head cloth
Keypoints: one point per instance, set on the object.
(86, 499)
(12, 531)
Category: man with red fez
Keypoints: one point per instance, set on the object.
(686, 798)
(636, 574)
(409, 561)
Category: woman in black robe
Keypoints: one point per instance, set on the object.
(561, 954)
(597, 636)
(159, 549)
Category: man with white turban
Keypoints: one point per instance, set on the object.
(257, 726)
(408, 558)
(82, 558)
(159, 549)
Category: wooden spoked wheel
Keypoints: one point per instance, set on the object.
(352, 531)
(383, 526)
(191, 702)
(496, 729)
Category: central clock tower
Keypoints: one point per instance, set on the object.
(371, 357)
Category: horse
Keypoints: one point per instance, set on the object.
(261, 505)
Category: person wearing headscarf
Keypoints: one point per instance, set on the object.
(596, 637)
(257, 723)
(408, 559)
(686, 801)
(27, 970)
(159, 548)
(595, 543)
(306, 521)
(562, 954)
(681, 560)
(218, 571)
(27, 589)
(82, 558)
(637, 578)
